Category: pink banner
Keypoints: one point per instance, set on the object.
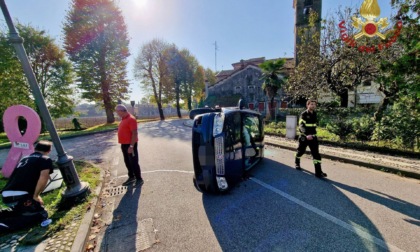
(22, 145)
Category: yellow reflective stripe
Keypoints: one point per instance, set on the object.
(317, 161)
(311, 125)
(302, 121)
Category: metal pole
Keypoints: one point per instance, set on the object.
(75, 188)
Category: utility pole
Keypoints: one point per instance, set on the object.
(215, 56)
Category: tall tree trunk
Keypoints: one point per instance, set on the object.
(189, 102)
(177, 99)
(109, 110)
(189, 98)
(162, 116)
(272, 109)
(157, 96)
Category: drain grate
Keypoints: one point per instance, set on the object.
(114, 191)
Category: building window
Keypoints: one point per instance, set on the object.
(367, 83)
(307, 7)
(252, 87)
(237, 90)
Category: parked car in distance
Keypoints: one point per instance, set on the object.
(225, 144)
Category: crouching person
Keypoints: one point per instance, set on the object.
(23, 189)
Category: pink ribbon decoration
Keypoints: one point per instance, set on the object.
(22, 145)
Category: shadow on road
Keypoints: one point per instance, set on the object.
(121, 234)
(393, 203)
(172, 129)
(252, 217)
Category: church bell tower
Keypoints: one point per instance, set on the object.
(302, 9)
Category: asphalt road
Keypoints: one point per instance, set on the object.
(277, 209)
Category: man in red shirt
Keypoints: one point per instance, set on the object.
(128, 137)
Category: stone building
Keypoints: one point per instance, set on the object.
(243, 82)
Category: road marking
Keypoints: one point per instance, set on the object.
(180, 171)
(331, 218)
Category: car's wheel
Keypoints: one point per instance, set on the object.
(210, 184)
(197, 186)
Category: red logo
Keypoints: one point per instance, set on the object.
(369, 27)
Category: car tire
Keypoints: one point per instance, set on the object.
(197, 186)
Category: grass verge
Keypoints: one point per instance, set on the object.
(60, 217)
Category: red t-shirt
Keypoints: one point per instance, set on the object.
(125, 128)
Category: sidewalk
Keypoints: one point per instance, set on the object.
(406, 167)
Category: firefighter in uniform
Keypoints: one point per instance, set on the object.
(307, 128)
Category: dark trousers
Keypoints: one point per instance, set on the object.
(25, 213)
(313, 146)
(131, 161)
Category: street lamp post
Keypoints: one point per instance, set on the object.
(75, 188)
(132, 106)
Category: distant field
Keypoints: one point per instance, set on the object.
(85, 122)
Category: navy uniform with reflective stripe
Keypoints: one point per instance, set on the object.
(307, 123)
(307, 126)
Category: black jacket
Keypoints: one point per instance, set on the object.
(307, 123)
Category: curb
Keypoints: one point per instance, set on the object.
(84, 227)
(378, 167)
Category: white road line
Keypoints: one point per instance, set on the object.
(331, 218)
(180, 171)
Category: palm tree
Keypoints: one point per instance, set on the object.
(272, 74)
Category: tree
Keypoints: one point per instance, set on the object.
(186, 76)
(177, 66)
(13, 88)
(151, 69)
(210, 76)
(96, 40)
(327, 63)
(194, 78)
(198, 85)
(52, 70)
(400, 74)
(273, 76)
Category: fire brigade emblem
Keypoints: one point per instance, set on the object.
(369, 27)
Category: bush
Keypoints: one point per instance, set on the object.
(363, 128)
(341, 128)
(401, 124)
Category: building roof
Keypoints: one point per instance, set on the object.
(238, 66)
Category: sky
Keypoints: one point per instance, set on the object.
(241, 29)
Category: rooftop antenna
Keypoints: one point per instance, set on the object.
(215, 56)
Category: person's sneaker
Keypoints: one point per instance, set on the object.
(298, 167)
(129, 181)
(321, 175)
(139, 182)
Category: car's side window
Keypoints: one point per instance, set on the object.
(252, 124)
(232, 129)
